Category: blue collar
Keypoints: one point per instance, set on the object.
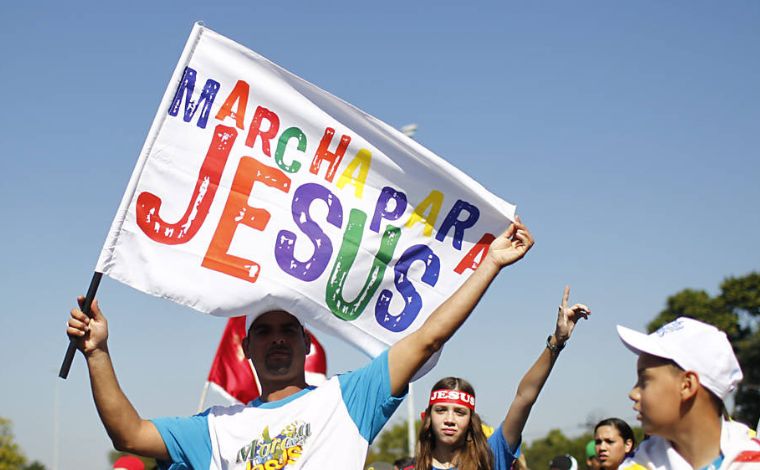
(259, 403)
(715, 463)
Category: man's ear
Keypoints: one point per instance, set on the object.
(307, 341)
(245, 347)
(689, 385)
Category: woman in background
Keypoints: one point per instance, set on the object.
(451, 435)
(614, 442)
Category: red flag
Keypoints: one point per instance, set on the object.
(233, 373)
(316, 362)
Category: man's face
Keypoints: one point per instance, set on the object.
(657, 395)
(277, 346)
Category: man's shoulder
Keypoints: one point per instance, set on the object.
(377, 367)
(224, 410)
(259, 404)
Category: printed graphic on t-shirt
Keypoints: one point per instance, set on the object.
(272, 453)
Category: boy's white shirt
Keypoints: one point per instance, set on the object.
(656, 453)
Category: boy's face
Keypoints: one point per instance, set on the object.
(657, 394)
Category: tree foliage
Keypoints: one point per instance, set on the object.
(735, 310)
(392, 444)
(11, 457)
(35, 466)
(541, 451)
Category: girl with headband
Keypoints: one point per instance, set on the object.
(451, 435)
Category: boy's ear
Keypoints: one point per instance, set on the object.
(689, 384)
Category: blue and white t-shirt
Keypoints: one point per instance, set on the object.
(330, 426)
(503, 455)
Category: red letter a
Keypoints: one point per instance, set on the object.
(473, 257)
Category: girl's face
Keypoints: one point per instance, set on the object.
(450, 423)
(610, 447)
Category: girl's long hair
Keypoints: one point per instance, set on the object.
(475, 454)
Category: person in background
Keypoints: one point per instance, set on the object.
(128, 462)
(563, 462)
(613, 442)
(592, 460)
(405, 463)
(520, 463)
(685, 371)
(451, 434)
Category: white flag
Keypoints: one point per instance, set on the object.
(256, 190)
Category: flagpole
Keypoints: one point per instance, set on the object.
(56, 426)
(409, 130)
(72, 349)
(411, 420)
(203, 397)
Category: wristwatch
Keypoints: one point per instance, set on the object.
(553, 348)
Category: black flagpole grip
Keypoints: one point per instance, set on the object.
(72, 349)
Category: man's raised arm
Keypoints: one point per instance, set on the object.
(407, 356)
(127, 430)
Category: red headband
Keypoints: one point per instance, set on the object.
(452, 396)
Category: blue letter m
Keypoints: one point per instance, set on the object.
(186, 87)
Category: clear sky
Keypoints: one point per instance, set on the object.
(626, 132)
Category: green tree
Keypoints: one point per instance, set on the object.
(541, 451)
(735, 310)
(11, 457)
(392, 444)
(35, 466)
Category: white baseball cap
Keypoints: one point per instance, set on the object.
(250, 318)
(694, 346)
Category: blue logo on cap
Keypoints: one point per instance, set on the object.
(670, 328)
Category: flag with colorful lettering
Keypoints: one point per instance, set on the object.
(256, 190)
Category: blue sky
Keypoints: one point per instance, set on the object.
(626, 133)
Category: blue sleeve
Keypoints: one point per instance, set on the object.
(502, 454)
(367, 395)
(187, 440)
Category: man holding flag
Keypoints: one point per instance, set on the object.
(291, 425)
(232, 373)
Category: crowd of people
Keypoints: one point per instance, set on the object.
(685, 371)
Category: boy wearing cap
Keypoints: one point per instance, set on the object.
(292, 425)
(685, 371)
